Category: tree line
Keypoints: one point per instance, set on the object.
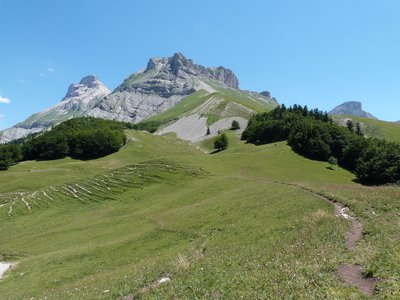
(313, 134)
(81, 138)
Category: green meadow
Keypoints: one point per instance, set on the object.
(219, 225)
(376, 128)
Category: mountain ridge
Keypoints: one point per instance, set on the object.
(162, 84)
(353, 108)
(78, 99)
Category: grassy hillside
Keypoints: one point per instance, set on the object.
(206, 108)
(184, 106)
(227, 102)
(254, 101)
(220, 226)
(375, 128)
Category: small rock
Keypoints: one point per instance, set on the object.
(164, 280)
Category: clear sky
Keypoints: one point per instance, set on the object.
(315, 52)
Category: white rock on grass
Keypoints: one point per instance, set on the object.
(164, 280)
(4, 267)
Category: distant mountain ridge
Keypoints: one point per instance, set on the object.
(80, 97)
(353, 108)
(159, 87)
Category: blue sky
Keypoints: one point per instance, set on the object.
(313, 52)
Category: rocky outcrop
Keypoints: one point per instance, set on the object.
(353, 108)
(80, 98)
(160, 86)
(266, 94)
(179, 65)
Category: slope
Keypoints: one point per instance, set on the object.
(373, 128)
(213, 226)
(190, 119)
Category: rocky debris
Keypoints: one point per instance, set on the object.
(353, 108)
(225, 124)
(79, 99)
(190, 128)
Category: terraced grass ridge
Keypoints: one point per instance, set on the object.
(164, 219)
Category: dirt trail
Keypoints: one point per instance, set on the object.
(349, 274)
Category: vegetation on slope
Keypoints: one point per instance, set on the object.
(230, 102)
(313, 134)
(232, 232)
(374, 128)
(185, 105)
(9, 155)
(82, 138)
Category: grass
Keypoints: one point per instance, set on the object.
(250, 100)
(221, 225)
(377, 128)
(184, 106)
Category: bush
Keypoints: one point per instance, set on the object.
(221, 142)
(235, 125)
(9, 155)
(149, 126)
(332, 161)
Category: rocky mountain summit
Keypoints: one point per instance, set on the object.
(160, 86)
(79, 99)
(353, 108)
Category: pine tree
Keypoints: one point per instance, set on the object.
(350, 125)
(358, 129)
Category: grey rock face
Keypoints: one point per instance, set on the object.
(353, 108)
(266, 94)
(163, 83)
(79, 99)
(179, 65)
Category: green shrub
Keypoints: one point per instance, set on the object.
(221, 142)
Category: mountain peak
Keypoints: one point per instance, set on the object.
(178, 56)
(90, 80)
(180, 66)
(87, 82)
(353, 108)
